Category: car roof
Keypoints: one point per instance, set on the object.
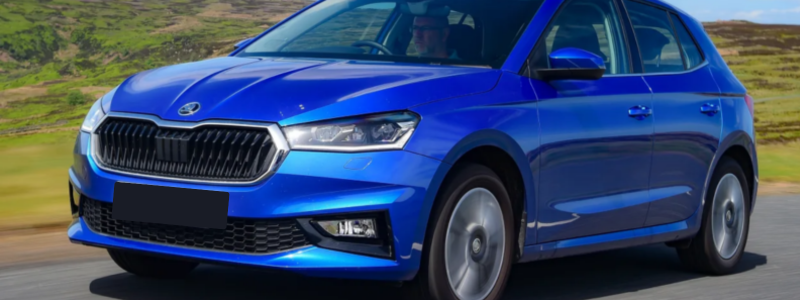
(667, 5)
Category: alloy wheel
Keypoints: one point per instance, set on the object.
(475, 245)
(728, 216)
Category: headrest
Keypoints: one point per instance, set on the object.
(466, 41)
(581, 35)
(651, 42)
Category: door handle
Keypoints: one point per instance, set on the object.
(640, 112)
(709, 109)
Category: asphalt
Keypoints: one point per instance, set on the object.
(769, 270)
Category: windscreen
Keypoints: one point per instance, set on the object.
(463, 32)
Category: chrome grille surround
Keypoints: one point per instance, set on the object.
(280, 144)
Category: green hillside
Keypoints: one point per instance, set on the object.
(104, 41)
(57, 56)
(49, 47)
(766, 58)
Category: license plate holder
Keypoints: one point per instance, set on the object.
(170, 205)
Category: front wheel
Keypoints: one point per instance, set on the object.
(471, 245)
(720, 243)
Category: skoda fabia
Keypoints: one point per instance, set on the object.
(431, 142)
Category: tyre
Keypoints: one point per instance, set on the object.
(150, 266)
(469, 245)
(720, 243)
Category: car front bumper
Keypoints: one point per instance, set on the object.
(307, 184)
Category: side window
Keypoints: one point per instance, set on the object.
(361, 23)
(691, 52)
(657, 42)
(591, 25)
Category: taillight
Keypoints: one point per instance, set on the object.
(749, 101)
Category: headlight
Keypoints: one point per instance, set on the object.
(369, 133)
(94, 116)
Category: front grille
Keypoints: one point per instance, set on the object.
(254, 236)
(212, 153)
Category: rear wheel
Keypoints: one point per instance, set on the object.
(719, 244)
(150, 266)
(469, 252)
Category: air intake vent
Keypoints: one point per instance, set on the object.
(254, 236)
(209, 152)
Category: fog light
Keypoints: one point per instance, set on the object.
(357, 228)
(367, 233)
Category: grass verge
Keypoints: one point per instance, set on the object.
(780, 162)
(33, 179)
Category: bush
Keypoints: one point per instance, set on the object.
(38, 44)
(75, 98)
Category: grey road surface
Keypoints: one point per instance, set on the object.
(770, 270)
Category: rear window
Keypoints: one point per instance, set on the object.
(655, 37)
(691, 52)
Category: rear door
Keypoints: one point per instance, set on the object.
(595, 156)
(686, 112)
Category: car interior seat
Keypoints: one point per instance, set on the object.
(651, 45)
(466, 41)
(576, 30)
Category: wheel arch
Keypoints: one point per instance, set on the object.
(501, 153)
(740, 146)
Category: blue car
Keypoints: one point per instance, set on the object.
(430, 142)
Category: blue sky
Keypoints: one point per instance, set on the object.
(761, 11)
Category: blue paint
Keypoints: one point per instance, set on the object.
(572, 58)
(604, 203)
(592, 149)
(358, 163)
(311, 261)
(593, 177)
(615, 240)
(667, 192)
(685, 141)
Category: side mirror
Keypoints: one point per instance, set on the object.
(242, 43)
(573, 63)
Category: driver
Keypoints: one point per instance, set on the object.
(430, 37)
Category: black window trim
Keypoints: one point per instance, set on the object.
(526, 67)
(637, 66)
(625, 40)
(694, 40)
(525, 70)
(677, 38)
(684, 59)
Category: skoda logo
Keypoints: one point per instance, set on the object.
(189, 109)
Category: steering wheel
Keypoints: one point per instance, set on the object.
(373, 45)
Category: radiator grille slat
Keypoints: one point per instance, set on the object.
(213, 153)
(254, 236)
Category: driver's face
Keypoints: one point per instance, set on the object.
(430, 37)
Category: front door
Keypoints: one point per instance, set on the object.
(596, 136)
